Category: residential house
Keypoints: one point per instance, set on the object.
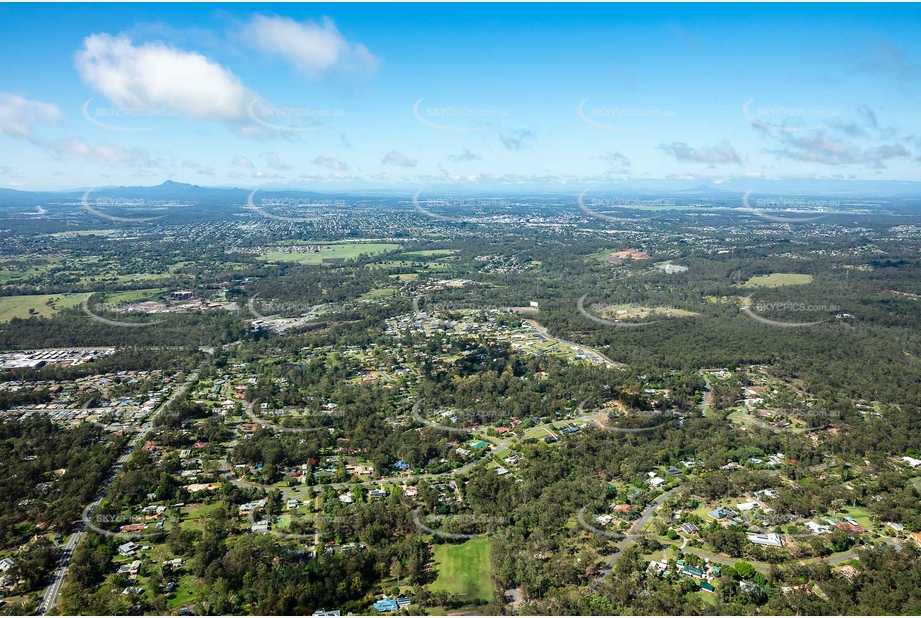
(817, 528)
(720, 513)
(689, 528)
(386, 605)
(848, 571)
(128, 549)
(770, 539)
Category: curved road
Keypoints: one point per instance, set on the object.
(631, 535)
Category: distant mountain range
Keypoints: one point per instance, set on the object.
(731, 189)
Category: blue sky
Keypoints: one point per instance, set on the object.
(347, 96)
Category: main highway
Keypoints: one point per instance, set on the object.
(49, 599)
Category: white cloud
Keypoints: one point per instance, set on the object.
(242, 162)
(399, 159)
(18, 115)
(518, 139)
(311, 47)
(465, 156)
(275, 162)
(720, 153)
(199, 168)
(266, 175)
(155, 76)
(331, 162)
(103, 153)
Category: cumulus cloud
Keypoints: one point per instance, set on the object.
(517, 139)
(720, 153)
(275, 162)
(859, 140)
(314, 48)
(242, 162)
(18, 115)
(103, 153)
(199, 168)
(155, 76)
(266, 175)
(330, 162)
(465, 156)
(828, 150)
(620, 163)
(399, 159)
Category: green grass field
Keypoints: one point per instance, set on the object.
(635, 311)
(464, 569)
(776, 280)
(18, 306)
(379, 293)
(346, 251)
(430, 252)
(132, 296)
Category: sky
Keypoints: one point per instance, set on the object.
(479, 96)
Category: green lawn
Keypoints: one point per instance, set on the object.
(132, 296)
(464, 569)
(345, 251)
(776, 280)
(430, 252)
(379, 293)
(18, 306)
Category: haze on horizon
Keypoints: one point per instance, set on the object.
(484, 97)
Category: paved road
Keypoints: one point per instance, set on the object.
(50, 598)
(708, 391)
(301, 492)
(634, 529)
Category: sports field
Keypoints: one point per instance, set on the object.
(45, 305)
(341, 251)
(776, 280)
(464, 569)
